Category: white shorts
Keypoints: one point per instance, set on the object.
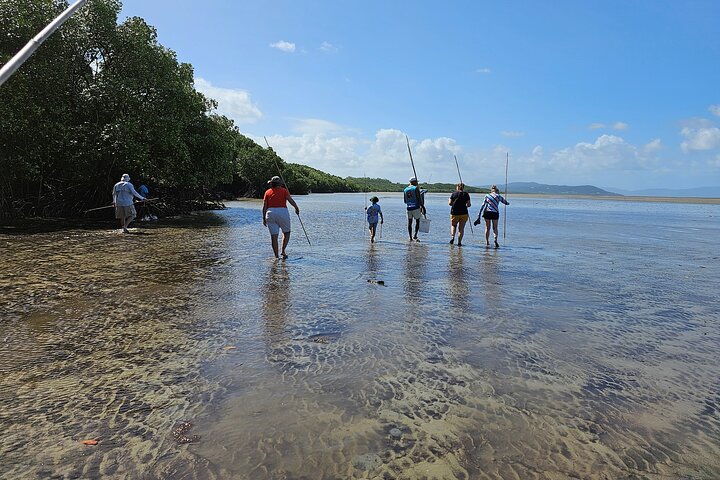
(278, 219)
(414, 214)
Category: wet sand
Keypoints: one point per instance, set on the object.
(586, 350)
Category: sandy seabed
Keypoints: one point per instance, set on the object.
(586, 350)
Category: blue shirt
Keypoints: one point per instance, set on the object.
(411, 197)
(372, 213)
(123, 193)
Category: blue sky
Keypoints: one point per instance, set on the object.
(612, 93)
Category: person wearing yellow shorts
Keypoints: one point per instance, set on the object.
(459, 203)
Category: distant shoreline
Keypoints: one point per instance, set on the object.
(623, 198)
(617, 198)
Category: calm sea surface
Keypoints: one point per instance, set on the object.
(587, 346)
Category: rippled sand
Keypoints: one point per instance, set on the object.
(584, 348)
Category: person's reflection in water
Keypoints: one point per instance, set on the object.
(491, 288)
(276, 301)
(372, 262)
(459, 289)
(415, 276)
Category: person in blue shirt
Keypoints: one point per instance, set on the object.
(373, 211)
(490, 211)
(123, 193)
(415, 207)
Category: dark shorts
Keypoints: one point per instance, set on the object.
(491, 215)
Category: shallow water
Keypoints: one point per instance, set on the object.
(585, 347)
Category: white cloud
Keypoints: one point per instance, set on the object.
(620, 126)
(483, 70)
(342, 151)
(653, 146)
(288, 47)
(315, 126)
(700, 138)
(596, 126)
(328, 47)
(715, 109)
(384, 156)
(608, 152)
(233, 103)
(506, 133)
(336, 155)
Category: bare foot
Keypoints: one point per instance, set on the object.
(284, 255)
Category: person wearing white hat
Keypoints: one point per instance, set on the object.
(415, 207)
(123, 194)
(275, 214)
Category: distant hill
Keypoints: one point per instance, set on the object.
(384, 185)
(532, 187)
(705, 192)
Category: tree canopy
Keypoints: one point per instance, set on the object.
(98, 99)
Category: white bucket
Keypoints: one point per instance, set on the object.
(424, 225)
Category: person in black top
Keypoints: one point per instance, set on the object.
(459, 203)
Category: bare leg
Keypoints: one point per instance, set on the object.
(373, 226)
(461, 231)
(410, 228)
(452, 233)
(495, 232)
(417, 229)
(286, 240)
(487, 232)
(274, 240)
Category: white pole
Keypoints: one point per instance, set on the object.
(9, 68)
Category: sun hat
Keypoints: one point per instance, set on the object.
(374, 199)
(413, 180)
(275, 179)
(125, 177)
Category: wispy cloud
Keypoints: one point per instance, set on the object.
(284, 46)
(233, 103)
(653, 146)
(620, 126)
(714, 109)
(596, 126)
(328, 47)
(511, 133)
(483, 70)
(316, 126)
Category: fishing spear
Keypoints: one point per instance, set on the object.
(277, 165)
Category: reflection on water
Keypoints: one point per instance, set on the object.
(572, 353)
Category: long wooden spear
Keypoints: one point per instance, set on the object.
(277, 165)
(110, 206)
(460, 176)
(507, 161)
(422, 202)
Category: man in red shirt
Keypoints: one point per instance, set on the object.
(275, 213)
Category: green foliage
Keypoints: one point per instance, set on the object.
(383, 185)
(95, 100)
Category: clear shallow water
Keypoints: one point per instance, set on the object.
(586, 347)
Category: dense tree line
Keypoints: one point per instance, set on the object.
(98, 99)
(383, 185)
